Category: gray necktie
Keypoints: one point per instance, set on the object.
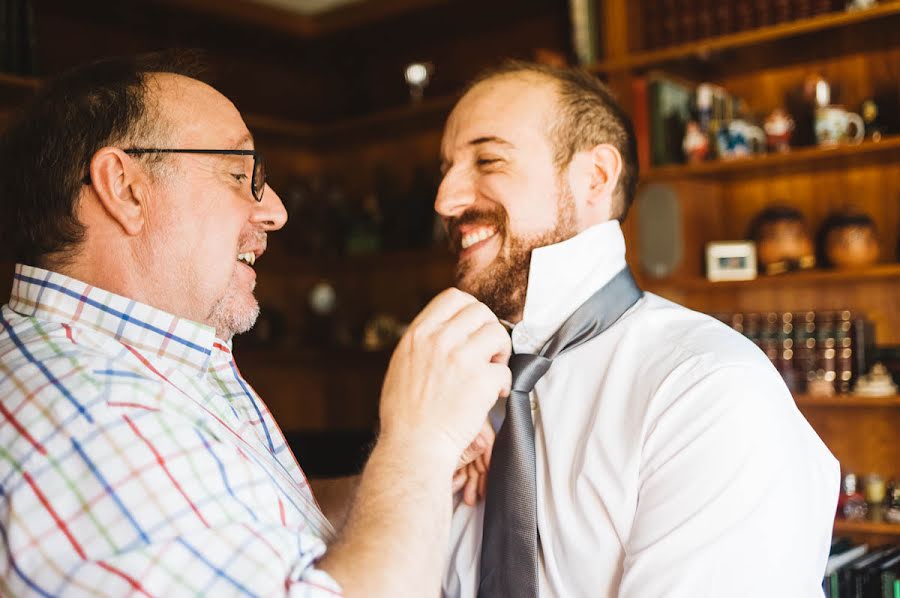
(509, 545)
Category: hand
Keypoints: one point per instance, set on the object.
(446, 373)
(471, 472)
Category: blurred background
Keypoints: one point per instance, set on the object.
(769, 138)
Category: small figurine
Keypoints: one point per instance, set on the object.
(819, 386)
(850, 240)
(854, 5)
(870, 115)
(695, 144)
(877, 383)
(779, 126)
(851, 503)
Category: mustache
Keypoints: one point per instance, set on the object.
(496, 218)
(254, 238)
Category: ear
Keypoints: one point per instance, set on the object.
(121, 187)
(606, 163)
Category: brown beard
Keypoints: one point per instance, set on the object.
(503, 283)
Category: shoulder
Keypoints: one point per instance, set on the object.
(678, 343)
(49, 365)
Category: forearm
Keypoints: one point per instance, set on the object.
(396, 536)
(335, 496)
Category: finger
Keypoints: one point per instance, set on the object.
(459, 480)
(470, 493)
(455, 334)
(501, 379)
(443, 307)
(482, 487)
(490, 342)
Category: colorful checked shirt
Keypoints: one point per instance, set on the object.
(135, 459)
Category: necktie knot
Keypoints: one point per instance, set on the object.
(526, 370)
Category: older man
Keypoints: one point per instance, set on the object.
(646, 450)
(135, 458)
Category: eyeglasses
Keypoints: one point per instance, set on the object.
(257, 180)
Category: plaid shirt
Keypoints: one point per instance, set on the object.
(135, 459)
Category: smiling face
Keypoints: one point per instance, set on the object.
(502, 195)
(203, 228)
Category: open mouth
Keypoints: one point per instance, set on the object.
(476, 236)
(248, 257)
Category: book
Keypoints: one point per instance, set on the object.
(837, 561)
(640, 116)
(669, 103)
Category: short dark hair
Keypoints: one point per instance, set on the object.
(46, 151)
(588, 115)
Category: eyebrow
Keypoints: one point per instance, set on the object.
(490, 139)
(239, 144)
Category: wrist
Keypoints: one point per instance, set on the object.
(432, 452)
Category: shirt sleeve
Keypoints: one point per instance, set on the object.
(737, 493)
(133, 500)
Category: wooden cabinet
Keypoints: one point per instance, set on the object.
(857, 50)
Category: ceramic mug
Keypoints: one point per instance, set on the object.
(835, 124)
(740, 138)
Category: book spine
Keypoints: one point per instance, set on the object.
(844, 351)
(641, 119)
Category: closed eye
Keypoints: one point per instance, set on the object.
(239, 177)
(486, 161)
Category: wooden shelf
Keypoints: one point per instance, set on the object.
(11, 82)
(388, 121)
(846, 526)
(702, 49)
(847, 401)
(764, 165)
(808, 277)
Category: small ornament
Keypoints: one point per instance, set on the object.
(850, 240)
(783, 242)
(779, 126)
(696, 143)
(819, 385)
(877, 383)
(851, 504)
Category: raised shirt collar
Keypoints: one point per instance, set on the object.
(562, 277)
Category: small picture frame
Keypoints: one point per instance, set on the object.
(730, 260)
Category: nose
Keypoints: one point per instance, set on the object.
(269, 213)
(455, 194)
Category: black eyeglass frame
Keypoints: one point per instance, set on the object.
(257, 187)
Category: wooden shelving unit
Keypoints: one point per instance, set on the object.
(702, 49)
(719, 199)
(848, 402)
(880, 528)
(793, 161)
(879, 272)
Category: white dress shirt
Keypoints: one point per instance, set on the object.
(671, 458)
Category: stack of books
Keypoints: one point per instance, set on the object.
(673, 22)
(835, 346)
(856, 571)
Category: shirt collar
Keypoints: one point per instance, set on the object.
(562, 277)
(54, 297)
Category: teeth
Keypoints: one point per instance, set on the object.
(248, 258)
(477, 236)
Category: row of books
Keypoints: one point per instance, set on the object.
(834, 346)
(17, 37)
(672, 22)
(665, 104)
(856, 571)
